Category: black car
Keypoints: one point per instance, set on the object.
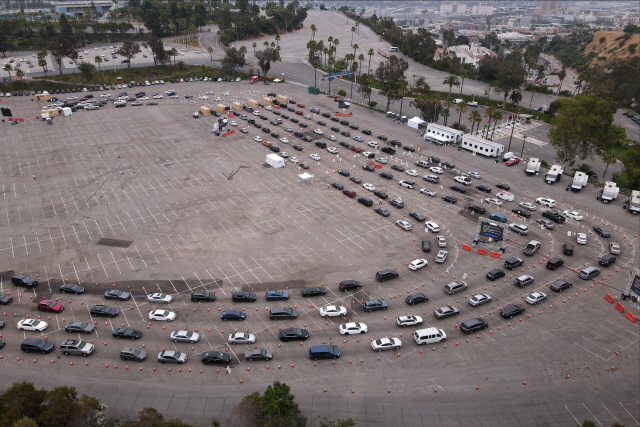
(512, 310)
(554, 216)
(303, 125)
(368, 167)
(128, 333)
(80, 327)
(417, 216)
(70, 288)
(36, 345)
(382, 137)
(458, 188)
(294, 119)
(325, 114)
(307, 138)
(607, 260)
(335, 128)
(476, 208)
(322, 123)
(26, 281)
(104, 311)
(347, 285)
(215, 358)
(450, 199)
(278, 313)
(473, 325)
(503, 186)
(426, 246)
(603, 232)
(483, 188)
(409, 148)
(386, 175)
(381, 194)
(258, 125)
(560, 285)
(395, 142)
(388, 150)
(384, 275)
(356, 179)
(275, 135)
(567, 248)
(294, 334)
(203, 296)
(416, 298)
(522, 212)
(5, 298)
(494, 274)
(117, 295)
(335, 119)
(398, 168)
(243, 296)
(344, 122)
(298, 133)
(354, 127)
(396, 203)
(344, 172)
(297, 147)
(345, 133)
(313, 291)
(366, 131)
(337, 186)
(345, 144)
(382, 211)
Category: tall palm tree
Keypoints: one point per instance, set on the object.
(488, 114)
(19, 74)
(277, 39)
(402, 92)
(445, 115)
(497, 115)
(98, 60)
(266, 43)
(533, 92)
(313, 31)
(451, 81)
(360, 59)
(355, 47)
(448, 103)
(353, 30)
(475, 117)
(336, 42)
(358, 27)
(461, 109)
(315, 67)
(210, 50)
(524, 141)
(173, 52)
(608, 157)
(7, 68)
(561, 75)
(370, 53)
(464, 74)
(254, 45)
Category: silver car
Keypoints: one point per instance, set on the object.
(479, 299)
(241, 338)
(171, 356)
(258, 354)
(527, 205)
(429, 192)
(441, 257)
(160, 298)
(386, 344)
(185, 336)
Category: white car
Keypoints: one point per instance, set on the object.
(318, 131)
(175, 96)
(314, 157)
(429, 192)
(463, 180)
(406, 184)
(353, 328)
(158, 96)
(442, 242)
(284, 154)
(185, 336)
(160, 298)
(225, 93)
(536, 297)
(294, 160)
(233, 123)
(369, 187)
(381, 160)
(432, 226)
(241, 338)
(105, 95)
(366, 153)
(436, 169)
(478, 300)
(164, 315)
(332, 311)
(403, 224)
(417, 264)
(457, 101)
(284, 140)
(573, 215)
(386, 344)
(268, 108)
(147, 83)
(332, 137)
(217, 98)
(527, 205)
(505, 196)
(412, 172)
(472, 103)
(373, 144)
(32, 325)
(256, 112)
(204, 97)
(409, 320)
(441, 257)
(257, 138)
(493, 201)
(581, 238)
(550, 203)
(332, 150)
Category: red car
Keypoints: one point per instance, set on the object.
(301, 105)
(513, 161)
(349, 193)
(356, 149)
(83, 99)
(299, 113)
(49, 305)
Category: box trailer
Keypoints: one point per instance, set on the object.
(609, 192)
(42, 97)
(221, 108)
(253, 104)
(533, 167)
(554, 174)
(267, 100)
(275, 160)
(236, 106)
(442, 134)
(482, 146)
(633, 204)
(205, 111)
(52, 113)
(579, 181)
(282, 99)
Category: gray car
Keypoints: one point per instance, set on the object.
(80, 327)
(76, 348)
(170, 356)
(185, 336)
(117, 295)
(258, 354)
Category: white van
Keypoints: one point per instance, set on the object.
(429, 336)
(393, 49)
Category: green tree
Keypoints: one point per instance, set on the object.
(25, 422)
(390, 76)
(561, 76)
(210, 50)
(511, 75)
(129, 49)
(475, 117)
(445, 115)
(60, 48)
(87, 70)
(402, 92)
(353, 31)
(232, 60)
(429, 106)
(173, 52)
(461, 109)
(372, 104)
(19, 74)
(608, 157)
(370, 53)
(181, 65)
(364, 86)
(18, 401)
(342, 93)
(463, 75)
(313, 31)
(315, 67)
(254, 45)
(42, 60)
(451, 81)
(275, 408)
(265, 58)
(277, 39)
(325, 422)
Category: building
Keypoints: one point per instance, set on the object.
(469, 54)
(82, 8)
(549, 6)
(482, 9)
(453, 8)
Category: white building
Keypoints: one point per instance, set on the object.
(469, 54)
(453, 8)
(482, 9)
(479, 145)
(442, 134)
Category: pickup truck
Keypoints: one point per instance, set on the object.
(77, 348)
(532, 247)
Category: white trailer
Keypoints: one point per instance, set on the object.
(533, 167)
(579, 181)
(443, 134)
(275, 160)
(554, 174)
(609, 192)
(482, 146)
(633, 205)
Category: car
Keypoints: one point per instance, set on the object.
(408, 320)
(388, 150)
(337, 186)
(382, 211)
(103, 311)
(573, 215)
(519, 228)
(473, 325)
(554, 216)
(258, 354)
(386, 344)
(50, 305)
(170, 356)
(159, 298)
(442, 242)
(483, 188)
(324, 352)
(528, 206)
(492, 201)
(444, 312)
(503, 186)
(602, 232)
(345, 144)
(207, 296)
(314, 291)
(314, 157)
(432, 226)
(80, 327)
(495, 274)
(344, 172)
(275, 295)
(369, 168)
(429, 192)
(581, 238)
(347, 285)
(560, 285)
(241, 338)
(332, 311)
(417, 216)
(70, 288)
(417, 264)
(426, 246)
(131, 353)
(480, 299)
(278, 313)
(545, 223)
(536, 297)
(299, 148)
(450, 199)
(368, 186)
(36, 345)
(374, 305)
(417, 298)
(129, 333)
(512, 310)
(185, 336)
(373, 144)
(366, 131)
(233, 315)
(162, 315)
(614, 248)
(512, 161)
(304, 165)
(318, 131)
(32, 325)
(522, 212)
(22, 280)
(455, 287)
(545, 201)
(403, 224)
(284, 140)
(356, 149)
(476, 208)
(462, 179)
(607, 260)
(381, 194)
(257, 138)
(353, 328)
(215, 358)
(524, 280)
(436, 169)
(243, 296)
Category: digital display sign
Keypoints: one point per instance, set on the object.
(635, 284)
(491, 230)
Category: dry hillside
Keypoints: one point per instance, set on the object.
(609, 49)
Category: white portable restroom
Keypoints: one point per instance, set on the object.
(580, 180)
(482, 146)
(533, 167)
(66, 111)
(609, 192)
(275, 160)
(443, 134)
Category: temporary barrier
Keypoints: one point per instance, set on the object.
(466, 248)
(620, 307)
(482, 251)
(496, 255)
(609, 298)
(631, 317)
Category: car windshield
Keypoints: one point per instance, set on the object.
(35, 323)
(42, 344)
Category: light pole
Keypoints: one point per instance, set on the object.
(282, 77)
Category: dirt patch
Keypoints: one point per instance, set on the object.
(609, 50)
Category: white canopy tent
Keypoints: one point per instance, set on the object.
(305, 177)
(415, 122)
(277, 80)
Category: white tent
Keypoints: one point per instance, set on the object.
(277, 80)
(415, 122)
(305, 177)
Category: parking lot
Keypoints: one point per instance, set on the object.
(144, 199)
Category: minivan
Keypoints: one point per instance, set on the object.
(422, 164)
(323, 352)
(365, 201)
(429, 336)
(455, 286)
(384, 275)
(554, 263)
(519, 228)
(589, 272)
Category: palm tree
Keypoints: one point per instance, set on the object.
(98, 60)
(355, 47)
(173, 52)
(561, 75)
(313, 31)
(370, 55)
(445, 115)
(524, 140)
(358, 27)
(497, 115)
(461, 109)
(336, 42)
(19, 74)
(277, 39)
(254, 47)
(7, 68)
(608, 157)
(402, 92)
(448, 103)
(533, 92)
(488, 114)
(451, 81)
(315, 67)
(464, 74)
(210, 50)
(243, 50)
(266, 43)
(353, 30)
(475, 117)
(360, 58)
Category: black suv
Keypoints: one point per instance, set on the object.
(554, 216)
(283, 313)
(366, 131)
(522, 212)
(473, 325)
(607, 260)
(512, 263)
(384, 275)
(347, 285)
(26, 281)
(386, 175)
(36, 345)
(417, 298)
(426, 246)
(388, 150)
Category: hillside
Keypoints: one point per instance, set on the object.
(608, 49)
